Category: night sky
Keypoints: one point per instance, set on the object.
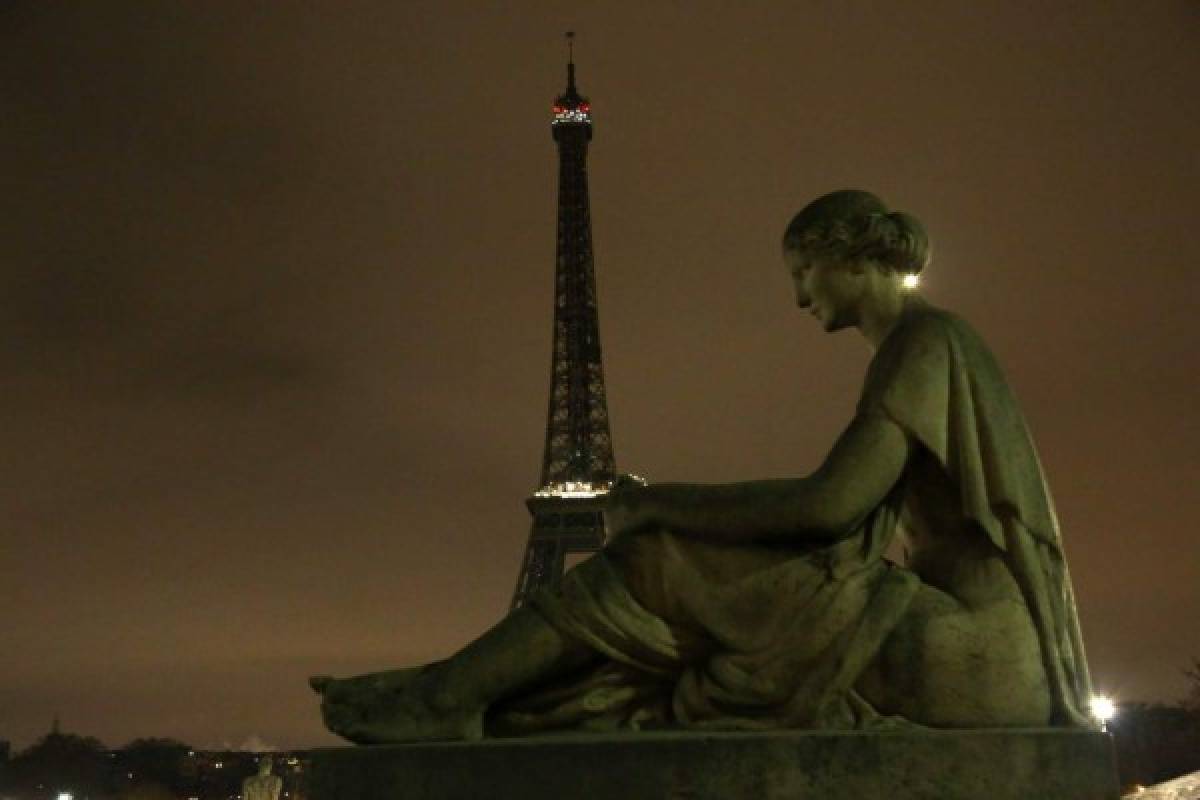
(275, 309)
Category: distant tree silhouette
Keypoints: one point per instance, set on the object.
(1155, 743)
(146, 790)
(1192, 701)
(60, 762)
(152, 762)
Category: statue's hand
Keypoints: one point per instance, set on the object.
(627, 479)
(627, 509)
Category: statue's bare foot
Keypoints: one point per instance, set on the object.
(393, 706)
(360, 693)
(349, 702)
(409, 717)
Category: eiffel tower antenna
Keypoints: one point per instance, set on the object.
(577, 463)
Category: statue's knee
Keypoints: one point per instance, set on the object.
(637, 549)
(638, 560)
(944, 665)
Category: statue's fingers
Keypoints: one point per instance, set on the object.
(628, 479)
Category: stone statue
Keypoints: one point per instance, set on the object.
(769, 604)
(264, 785)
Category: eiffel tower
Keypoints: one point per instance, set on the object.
(578, 466)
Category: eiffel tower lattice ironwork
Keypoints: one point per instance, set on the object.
(578, 466)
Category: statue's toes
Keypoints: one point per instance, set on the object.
(320, 682)
(361, 733)
(338, 718)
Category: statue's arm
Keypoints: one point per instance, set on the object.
(859, 471)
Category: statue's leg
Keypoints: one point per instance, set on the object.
(947, 664)
(447, 700)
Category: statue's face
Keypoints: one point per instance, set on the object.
(831, 291)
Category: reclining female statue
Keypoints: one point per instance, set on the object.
(769, 604)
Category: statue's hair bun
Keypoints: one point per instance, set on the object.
(852, 224)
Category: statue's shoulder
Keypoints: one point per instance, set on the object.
(923, 342)
(924, 319)
(927, 325)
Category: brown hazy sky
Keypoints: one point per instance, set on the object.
(275, 309)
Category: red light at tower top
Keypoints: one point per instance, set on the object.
(576, 114)
(582, 108)
(571, 108)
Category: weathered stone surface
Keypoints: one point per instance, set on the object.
(1030, 764)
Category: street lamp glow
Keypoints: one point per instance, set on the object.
(911, 281)
(1103, 708)
(65, 796)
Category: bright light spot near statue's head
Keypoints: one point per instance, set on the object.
(911, 281)
(1103, 708)
(65, 796)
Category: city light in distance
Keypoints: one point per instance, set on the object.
(911, 281)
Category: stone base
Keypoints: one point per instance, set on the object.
(1030, 764)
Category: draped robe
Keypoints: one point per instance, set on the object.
(755, 636)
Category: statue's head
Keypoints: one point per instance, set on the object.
(264, 765)
(850, 226)
(849, 256)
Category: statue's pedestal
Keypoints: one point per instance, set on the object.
(1030, 764)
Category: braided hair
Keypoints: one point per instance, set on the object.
(852, 225)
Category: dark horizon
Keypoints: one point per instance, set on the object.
(276, 310)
